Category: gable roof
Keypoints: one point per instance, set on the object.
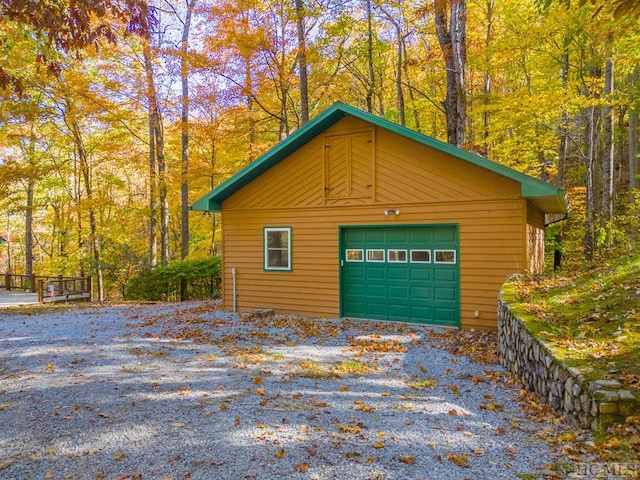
(543, 195)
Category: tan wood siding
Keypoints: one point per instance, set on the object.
(424, 174)
(487, 255)
(402, 172)
(296, 181)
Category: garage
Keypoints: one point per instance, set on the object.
(406, 273)
(355, 216)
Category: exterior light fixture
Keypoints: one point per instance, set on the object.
(389, 211)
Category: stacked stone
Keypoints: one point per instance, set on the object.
(595, 404)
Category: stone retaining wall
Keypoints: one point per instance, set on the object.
(587, 404)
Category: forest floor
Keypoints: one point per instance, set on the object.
(189, 391)
(592, 318)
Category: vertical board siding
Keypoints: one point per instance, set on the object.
(487, 256)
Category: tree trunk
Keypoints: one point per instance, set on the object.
(28, 231)
(162, 190)
(416, 116)
(77, 197)
(634, 183)
(452, 39)
(28, 218)
(214, 220)
(399, 57)
(302, 63)
(592, 134)
(248, 88)
(9, 252)
(486, 83)
(563, 149)
(85, 171)
(153, 175)
(371, 70)
(399, 89)
(158, 144)
(609, 147)
(184, 123)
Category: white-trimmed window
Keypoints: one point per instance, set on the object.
(444, 256)
(355, 255)
(396, 256)
(420, 256)
(277, 248)
(375, 255)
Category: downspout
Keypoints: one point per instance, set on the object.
(233, 276)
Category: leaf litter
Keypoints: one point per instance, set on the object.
(190, 391)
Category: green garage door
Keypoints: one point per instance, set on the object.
(403, 273)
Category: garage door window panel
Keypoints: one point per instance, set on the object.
(355, 255)
(375, 255)
(397, 256)
(444, 256)
(420, 256)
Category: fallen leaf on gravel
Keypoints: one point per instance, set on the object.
(49, 474)
(223, 406)
(280, 453)
(478, 451)
(431, 383)
(354, 429)
(408, 459)
(378, 445)
(493, 407)
(454, 389)
(301, 467)
(120, 456)
(460, 460)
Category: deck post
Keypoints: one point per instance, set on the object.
(89, 287)
(40, 291)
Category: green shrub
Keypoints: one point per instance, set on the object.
(178, 281)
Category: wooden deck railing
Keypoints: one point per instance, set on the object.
(49, 288)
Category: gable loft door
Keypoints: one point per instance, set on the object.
(349, 166)
(403, 273)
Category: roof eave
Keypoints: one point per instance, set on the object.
(549, 204)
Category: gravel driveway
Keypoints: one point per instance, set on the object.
(188, 391)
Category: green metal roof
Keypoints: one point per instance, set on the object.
(543, 195)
